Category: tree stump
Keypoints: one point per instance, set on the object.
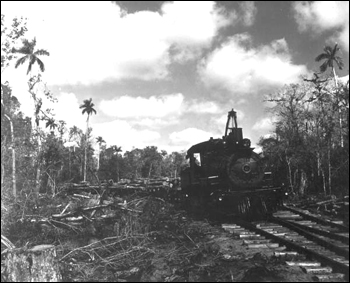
(37, 264)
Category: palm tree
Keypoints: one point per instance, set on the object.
(116, 149)
(88, 108)
(100, 141)
(30, 55)
(331, 58)
(51, 123)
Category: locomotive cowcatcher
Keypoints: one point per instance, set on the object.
(227, 176)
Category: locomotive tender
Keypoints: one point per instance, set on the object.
(228, 176)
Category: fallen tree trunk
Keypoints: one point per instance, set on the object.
(37, 264)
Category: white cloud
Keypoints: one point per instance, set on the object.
(93, 41)
(156, 107)
(140, 120)
(265, 124)
(121, 133)
(192, 22)
(154, 123)
(240, 68)
(209, 107)
(156, 112)
(189, 137)
(187, 37)
(131, 107)
(320, 16)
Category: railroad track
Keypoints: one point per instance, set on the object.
(318, 246)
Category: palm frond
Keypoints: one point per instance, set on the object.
(22, 50)
(41, 52)
(41, 64)
(328, 49)
(335, 50)
(26, 42)
(27, 48)
(322, 56)
(31, 63)
(29, 68)
(339, 62)
(324, 66)
(21, 61)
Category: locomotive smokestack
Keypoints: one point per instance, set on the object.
(233, 134)
(231, 121)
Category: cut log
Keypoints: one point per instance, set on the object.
(38, 264)
(329, 277)
(7, 242)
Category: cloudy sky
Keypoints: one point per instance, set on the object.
(166, 73)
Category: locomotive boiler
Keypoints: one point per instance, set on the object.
(226, 174)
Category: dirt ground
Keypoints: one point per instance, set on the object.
(151, 240)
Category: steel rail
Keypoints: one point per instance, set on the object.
(331, 235)
(317, 219)
(336, 266)
(340, 250)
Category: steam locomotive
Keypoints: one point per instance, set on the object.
(228, 176)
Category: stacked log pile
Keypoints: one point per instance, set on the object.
(86, 204)
(160, 187)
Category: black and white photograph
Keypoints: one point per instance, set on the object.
(174, 141)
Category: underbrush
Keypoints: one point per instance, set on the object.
(134, 238)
